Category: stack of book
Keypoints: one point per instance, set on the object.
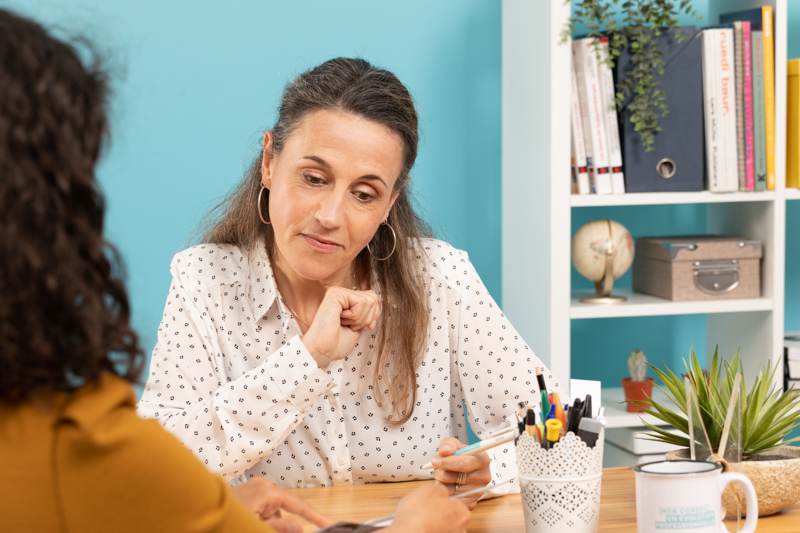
(738, 106)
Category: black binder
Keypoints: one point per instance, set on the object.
(677, 163)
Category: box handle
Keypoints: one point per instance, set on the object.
(716, 277)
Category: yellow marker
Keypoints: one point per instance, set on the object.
(553, 431)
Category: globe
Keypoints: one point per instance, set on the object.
(602, 251)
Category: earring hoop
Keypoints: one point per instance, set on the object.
(394, 244)
(258, 207)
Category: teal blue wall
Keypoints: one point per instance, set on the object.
(198, 82)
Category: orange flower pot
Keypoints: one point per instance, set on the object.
(637, 390)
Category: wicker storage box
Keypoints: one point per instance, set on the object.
(697, 267)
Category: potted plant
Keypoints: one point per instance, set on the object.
(768, 416)
(643, 20)
(637, 387)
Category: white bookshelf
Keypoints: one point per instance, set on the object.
(537, 206)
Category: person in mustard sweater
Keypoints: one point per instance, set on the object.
(74, 456)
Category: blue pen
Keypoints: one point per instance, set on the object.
(552, 413)
(496, 440)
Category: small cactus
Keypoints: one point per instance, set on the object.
(637, 365)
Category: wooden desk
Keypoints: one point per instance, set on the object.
(617, 507)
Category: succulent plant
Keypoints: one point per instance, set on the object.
(768, 415)
(637, 365)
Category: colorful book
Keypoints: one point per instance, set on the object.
(793, 129)
(597, 121)
(761, 20)
(748, 106)
(612, 124)
(738, 43)
(580, 173)
(769, 94)
(759, 120)
(713, 140)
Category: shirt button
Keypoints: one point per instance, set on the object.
(331, 400)
(340, 460)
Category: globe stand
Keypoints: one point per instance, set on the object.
(603, 288)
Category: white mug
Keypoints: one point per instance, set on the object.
(686, 496)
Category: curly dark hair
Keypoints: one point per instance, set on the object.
(64, 312)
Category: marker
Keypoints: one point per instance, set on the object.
(502, 437)
(553, 432)
(587, 407)
(530, 424)
(574, 416)
(540, 378)
(559, 410)
(551, 413)
(589, 430)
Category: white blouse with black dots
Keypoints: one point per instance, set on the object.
(232, 380)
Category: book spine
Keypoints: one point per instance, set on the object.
(580, 82)
(748, 107)
(769, 94)
(759, 120)
(711, 112)
(578, 148)
(612, 125)
(727, 96)
(597, 122)
(738, 40)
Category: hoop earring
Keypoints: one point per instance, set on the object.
(258, 207)
(394, 244)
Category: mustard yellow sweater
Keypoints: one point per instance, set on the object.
(86, 462)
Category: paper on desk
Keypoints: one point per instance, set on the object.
(579, 388)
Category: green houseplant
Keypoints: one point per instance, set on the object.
(768, 416)
(642, 21)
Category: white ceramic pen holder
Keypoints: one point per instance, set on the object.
(560, 486)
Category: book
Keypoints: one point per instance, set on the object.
(793, 124)
(760, 19)
(713, 134)
(726, 81)
(759, 120)
(738, 48)
(748, 106)
(587, 61)
(580, 173)
(580, 84)
(612, 122)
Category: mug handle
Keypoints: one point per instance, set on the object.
(750, 499)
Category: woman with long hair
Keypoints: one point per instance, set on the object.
(319, 335)
(74, 455)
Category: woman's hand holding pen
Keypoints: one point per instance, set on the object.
(338, 323)
(447, 468)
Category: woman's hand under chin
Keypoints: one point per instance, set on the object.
(338, 323)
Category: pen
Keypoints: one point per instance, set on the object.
(551, 413)
(473, 449)
(530, 424)
(587, 407)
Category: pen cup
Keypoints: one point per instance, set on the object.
(561, 486)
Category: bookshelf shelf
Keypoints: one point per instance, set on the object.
(646, 305)
(616, 415)
(665, 198)
(792, 194)
(537, 206)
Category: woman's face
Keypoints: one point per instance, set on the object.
(330, 188)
